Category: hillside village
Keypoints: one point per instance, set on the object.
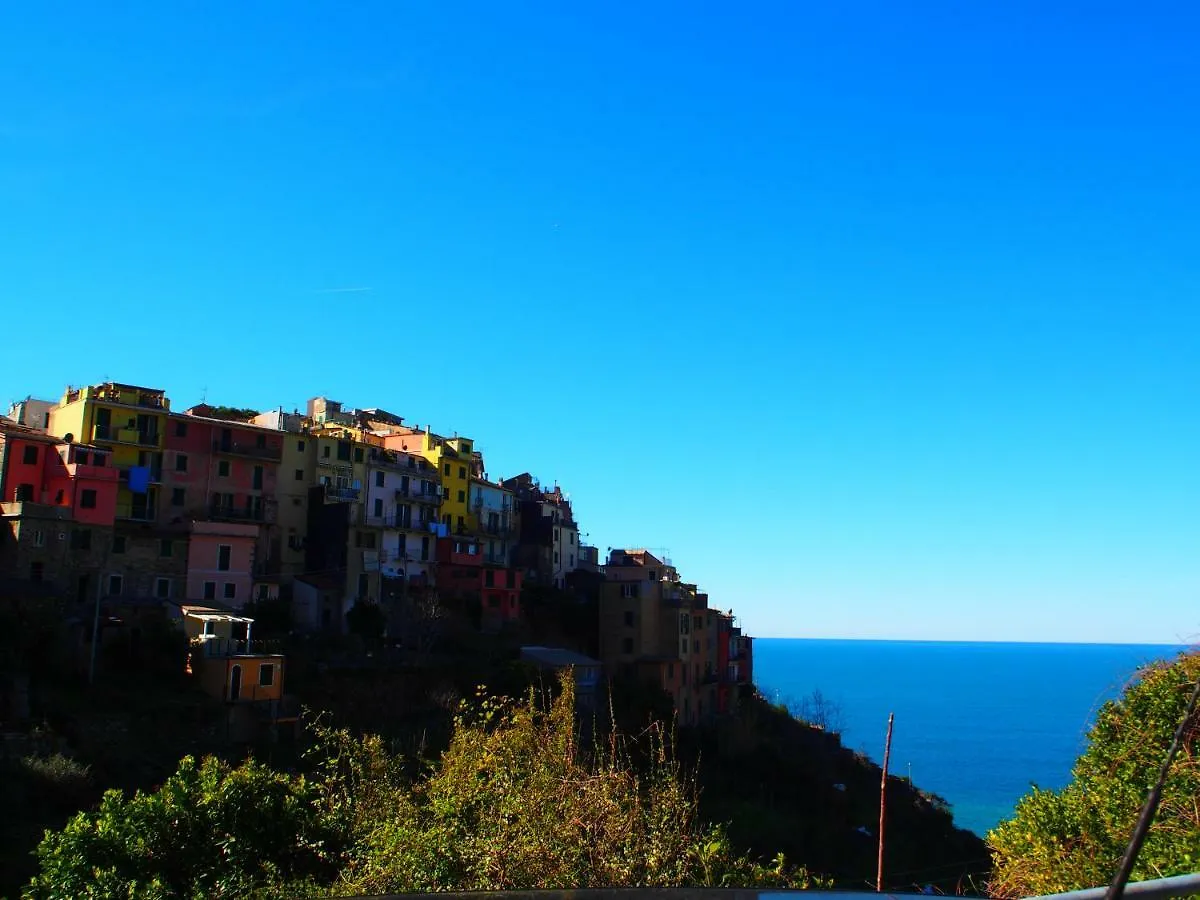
(127, 510)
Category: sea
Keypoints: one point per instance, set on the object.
(975, 723)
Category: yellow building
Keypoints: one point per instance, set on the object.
(130, 421)
(453, 458)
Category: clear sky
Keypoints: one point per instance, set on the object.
(883, 318)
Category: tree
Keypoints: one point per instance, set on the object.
(1074, 838)
(209, 831)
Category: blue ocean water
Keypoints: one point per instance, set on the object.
(976, 723)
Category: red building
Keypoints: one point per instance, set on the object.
(465, 574)
(38, 468)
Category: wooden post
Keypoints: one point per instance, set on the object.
(887, 753)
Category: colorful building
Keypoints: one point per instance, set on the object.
(403, 497)
(58, 503)
(453, 458)
(231, 668)
(220, 562)
(660, 629)
(548, 540)
(130, 423)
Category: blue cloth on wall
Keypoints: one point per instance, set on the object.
(139, 479)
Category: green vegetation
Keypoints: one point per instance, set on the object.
(231, 413)
(1074, 838)
(515, 802)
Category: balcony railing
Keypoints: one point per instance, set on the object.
(343, 494)
(136, 515)
(242, 448)
(155, 474)
(236, 513)
(390, 459)
(135, 436)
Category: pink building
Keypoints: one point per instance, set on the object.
(221, 562)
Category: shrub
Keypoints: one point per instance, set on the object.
(1074, 838)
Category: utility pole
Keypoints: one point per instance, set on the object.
(887, 753)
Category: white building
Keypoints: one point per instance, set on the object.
(402, 493)
(494, 508)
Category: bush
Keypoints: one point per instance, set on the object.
(515, 804)
(1074, 838)
(209, 831)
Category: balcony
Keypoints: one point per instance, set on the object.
(136, 514)
(342, 494)
(245, 448)
(401, 462)
(228, 513)
(133, 436)
(417, 495)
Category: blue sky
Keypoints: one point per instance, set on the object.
(885, 323)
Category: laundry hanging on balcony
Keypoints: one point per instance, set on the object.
(139, 479)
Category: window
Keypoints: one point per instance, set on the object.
(653, 575)
(627, 645)
(36, 571)
(696, 646)
(87, 499)
(445, 493)
(118, 543)
(378, 507)
(261, 441)
(556, 557)
(364, 539)
(325, 451)
(166, 547)
(299, 474)
(162, 588)
(210, 590)
(223, 469)
(266, 675)
(510, 579)
(462, 472)
(358, 454)
(424, 549)
(181, 429)
(556, 535)
(178, 496)
(81, 539)
(461, 524)
(223, 553)
(229, 590)
(493, 601)
(571, 559)
(180, 462)
(447, 468)
(30, 455)
(364, 585)
(257, 481)
(299, 446)
(343, 453)
(572, 536)
(462, 496)
(378, 479)
(39, 538)
(25, 492)
(683, 649)
(115, 583)
(629, 618)
(489, 578)
(82, 457)
(629, 590)
(264, 592)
